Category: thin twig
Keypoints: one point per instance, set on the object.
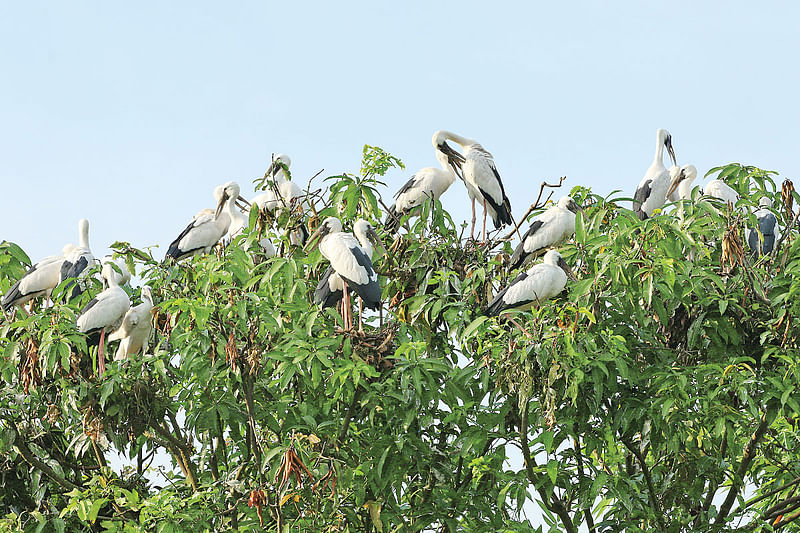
(535, 205)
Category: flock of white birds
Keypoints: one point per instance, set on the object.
(350, 254)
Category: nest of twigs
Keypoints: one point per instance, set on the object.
(376, 347)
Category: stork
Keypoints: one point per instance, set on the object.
(39, 280)
(429, 182)
(762, 239)
(134, 331)
(651, 194)
(481, 179)
(77, 261)
(104, 313)
(539, 283)
(547, 229)
(330, 288)
(720, 190)
(350, 262)
(680, 185)
(207, 228)
(281, 191)
(120, 268)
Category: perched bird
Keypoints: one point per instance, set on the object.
(680, 185)
(121, 272)
(541, 282)
(762, 239)
(722, 191)
(104, 313)
(481, 179)
(351, 264)
(134, 331)
(207, 228)
(330, 288)
(77, 261)
(429, 182)
(281, 191)
(39, 280)
(548, 229)
(651, 194)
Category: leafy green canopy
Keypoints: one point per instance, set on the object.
(657, 393)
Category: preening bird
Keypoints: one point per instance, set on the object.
(281, 191)
(330, 288)
(104, 313)
(350, 262)
(651, 194)
(78, 260)
(762, 239)
(541, 282)
(429, 182)
(722, 191)
(207, 228)
(134, 331)
(481, 179)
(39, 280)
(680, 185)
(548, 229)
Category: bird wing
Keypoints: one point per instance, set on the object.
(41, 277)
(107, 309)
(329, 289)
(767, 222)
(526, 245)
(640, 197)
(499, 302)
(201, 233)
(479, 168)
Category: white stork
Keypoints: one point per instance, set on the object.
(762, 239)
(651, 194)
(77, 261)
(350, 262)
(330, 288)
(720, 190)
(104, 313)
(541, 282)
(548, 229)
(481, 179)
(39, 280)
(207, 228)
(429, 182)
(282, 193)
(134, 331)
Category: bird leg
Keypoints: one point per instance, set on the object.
(345, 306)
(101, 356)
(472, 228)
(484, 220)
(360, 312)
(523, 330)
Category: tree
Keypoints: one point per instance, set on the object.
(657, 392)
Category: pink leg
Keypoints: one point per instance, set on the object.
(101, 356)
(472, 228)
(345, 308)
(360, 312)
(523, 330)
(484, 220)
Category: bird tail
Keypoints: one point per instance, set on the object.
(640, 213)
(10, 297)
(392, 220)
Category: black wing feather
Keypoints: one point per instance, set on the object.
(371, 292)
(497, 305)
(13, 294)
(323, 295)
(520, 255)
(176, 253)
(640, 197)
(503, 211)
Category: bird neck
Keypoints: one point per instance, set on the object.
(658, 159)
(462, 141)
(83, 237)
(444, 161)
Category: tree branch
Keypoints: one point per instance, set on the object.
(181, 452)
(587, 512)
(648, 478)
(31, 459)
(556, 505)
(738, 479)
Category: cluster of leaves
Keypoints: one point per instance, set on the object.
(654, 394)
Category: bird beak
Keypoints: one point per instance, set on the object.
(574, 207)
(221, 204)
(318, 234)
(376, 240)
(675, 182)
(242, 203)
(453, 157)
(671, 150)
(567, 270)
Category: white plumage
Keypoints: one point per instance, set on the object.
(39, 280)
(651, 194)
(104, 313)
(429, 182)
(481, 179)
(134, 331)
(720, 190)
(207, 228)
(331, 286)
(541, 282)
(78, 260)
(548, 229)
(281, 191)
(121, 273)
(681, 179)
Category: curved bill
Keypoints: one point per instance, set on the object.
(318, 234)
(372, 235)
(221, 203)
(676, 180)
(574, 207)
(671, 150)
(454, 158)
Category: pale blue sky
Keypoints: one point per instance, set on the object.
(129, 114)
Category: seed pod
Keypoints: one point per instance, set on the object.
(788, 199)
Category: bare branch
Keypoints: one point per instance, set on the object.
(648, 478)
(535, 205)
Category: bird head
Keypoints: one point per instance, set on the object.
(362, 227)
(229, 190)
(566, 202)
(328, 226)
(454, 158)
(280, 162)
(552, 257)
(667, 140)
